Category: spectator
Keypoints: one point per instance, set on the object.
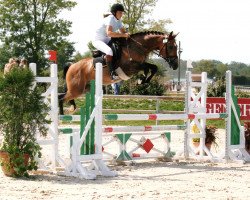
(116, 88)
(13, 62)
(24, 63)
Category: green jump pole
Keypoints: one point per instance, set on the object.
(88, 146)
(92, 128)
(235, 130)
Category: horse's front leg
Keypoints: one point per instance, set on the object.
(153, 69)
(145, 75)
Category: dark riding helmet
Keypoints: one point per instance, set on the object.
(116, 7)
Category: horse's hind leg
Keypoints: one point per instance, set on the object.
(62, 98)
(72, 103)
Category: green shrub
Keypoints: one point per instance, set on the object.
(217, 89)
(23, 113)
(241, 94)
(154, 88)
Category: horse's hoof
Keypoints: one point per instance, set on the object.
(69, 111)
(72, 109)
(66, 111)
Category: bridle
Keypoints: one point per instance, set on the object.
(169, 59)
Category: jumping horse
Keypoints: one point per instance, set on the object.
(133, 54)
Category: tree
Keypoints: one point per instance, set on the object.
(5, 54)
(238, 68)
(212, 67)
(78, 56)
(65, 51)
(136, 13)
(159, 25)
(221, 69)
(29, 28)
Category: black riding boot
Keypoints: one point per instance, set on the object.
(113, 74)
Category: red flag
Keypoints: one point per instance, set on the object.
(52, 55)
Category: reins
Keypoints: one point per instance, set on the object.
(143, 48)
(141, 45)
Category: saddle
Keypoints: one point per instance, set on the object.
(99, 56)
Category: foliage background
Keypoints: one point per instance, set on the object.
(29, 28)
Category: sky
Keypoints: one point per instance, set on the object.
(208, 29)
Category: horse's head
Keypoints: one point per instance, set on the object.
(141, 44)
(168, 50)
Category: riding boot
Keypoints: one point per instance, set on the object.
(113, 74)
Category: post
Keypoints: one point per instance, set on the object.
(178, 87)
(187, 111)
(98, 103)
(157, 109)
(54, 110)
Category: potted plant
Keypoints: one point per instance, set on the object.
(22, 114)
(247, 136)
(210, 136)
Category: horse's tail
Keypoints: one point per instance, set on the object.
(62, 95)
(65, 69)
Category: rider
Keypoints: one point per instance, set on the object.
(111, 27)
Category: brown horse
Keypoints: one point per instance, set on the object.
(134, 52)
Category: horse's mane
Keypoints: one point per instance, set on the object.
(122, 41)
(147, 33)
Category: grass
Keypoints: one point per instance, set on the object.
(138, 104)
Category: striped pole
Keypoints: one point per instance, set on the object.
(153, 117)
(119, 129)
(111, 129)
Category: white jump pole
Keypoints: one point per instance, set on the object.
(98, 104)
(54, 112)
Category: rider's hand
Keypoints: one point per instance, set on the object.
(126, 35)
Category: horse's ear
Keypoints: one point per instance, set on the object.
(176, 34)
(170, 35)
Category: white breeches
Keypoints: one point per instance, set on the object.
(103, 47)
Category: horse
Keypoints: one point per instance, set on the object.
(133, 54)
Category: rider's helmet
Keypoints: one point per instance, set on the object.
(116, 7)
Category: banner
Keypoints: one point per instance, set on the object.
(217, 105)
